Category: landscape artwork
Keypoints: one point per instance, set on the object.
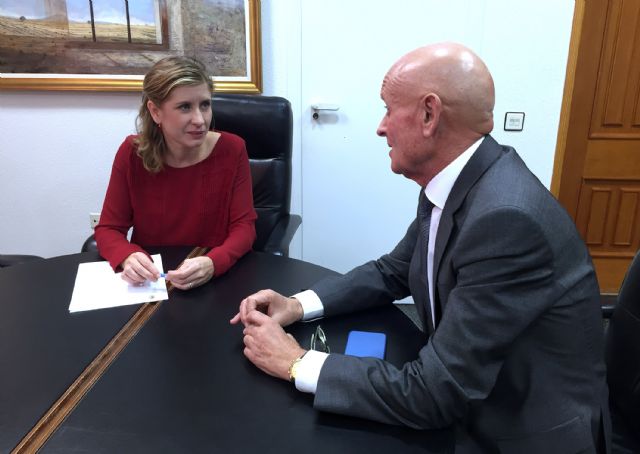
(110, 44)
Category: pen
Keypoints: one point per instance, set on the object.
(163, 274)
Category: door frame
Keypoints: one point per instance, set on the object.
(561, 176)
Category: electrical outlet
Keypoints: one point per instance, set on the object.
(94, 218)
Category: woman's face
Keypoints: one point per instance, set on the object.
(184, 117)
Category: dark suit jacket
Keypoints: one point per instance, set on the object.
(516, 363)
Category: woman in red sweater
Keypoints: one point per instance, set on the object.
(177, 183)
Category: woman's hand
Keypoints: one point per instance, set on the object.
(139, 268)
(192, 273)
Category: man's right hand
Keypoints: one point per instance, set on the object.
(282, 309)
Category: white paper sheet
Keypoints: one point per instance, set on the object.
(98, 287)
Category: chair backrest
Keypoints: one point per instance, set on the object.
(266, 125)
(623, 350)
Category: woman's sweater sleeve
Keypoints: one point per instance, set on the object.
(242, 217)
(116, 217)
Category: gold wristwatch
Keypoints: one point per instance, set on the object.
(294, 367)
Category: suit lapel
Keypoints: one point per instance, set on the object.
(488, 151)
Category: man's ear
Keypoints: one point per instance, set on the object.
(154, 111)
(432, 107)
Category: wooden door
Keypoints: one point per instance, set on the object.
(597, 168)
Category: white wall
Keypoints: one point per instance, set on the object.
(56, 148)
(525, 45)
(56, 151)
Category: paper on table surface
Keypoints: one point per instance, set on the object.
(98, 287)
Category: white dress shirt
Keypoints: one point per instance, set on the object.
(437, 191)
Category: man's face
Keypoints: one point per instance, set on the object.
(402, 126)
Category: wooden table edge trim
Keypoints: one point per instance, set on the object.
(53, 418)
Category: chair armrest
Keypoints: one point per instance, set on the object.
(282, 234)
(8, 260)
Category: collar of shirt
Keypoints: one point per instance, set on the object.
(438, 189)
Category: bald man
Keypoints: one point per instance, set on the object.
(500, 277)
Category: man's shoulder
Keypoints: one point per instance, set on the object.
(507, 190)
(508, 180)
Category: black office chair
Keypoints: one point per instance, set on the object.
(266, 125)
(16, 259)
(623, 362)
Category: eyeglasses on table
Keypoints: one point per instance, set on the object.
(319, 341)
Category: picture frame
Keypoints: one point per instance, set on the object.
(62, 49)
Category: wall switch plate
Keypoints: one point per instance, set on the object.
(94, 218)
(513, 121)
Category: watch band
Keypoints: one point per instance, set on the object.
(293, 366)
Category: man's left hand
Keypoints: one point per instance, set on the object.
(268, 346)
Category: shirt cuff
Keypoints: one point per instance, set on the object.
(311, 304)
(308, 371)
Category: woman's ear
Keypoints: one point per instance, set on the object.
(154, 111)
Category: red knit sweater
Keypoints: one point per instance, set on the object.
(207, 204)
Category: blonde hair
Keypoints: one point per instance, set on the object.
(162, 78)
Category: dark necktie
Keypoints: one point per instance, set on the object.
(426, 207)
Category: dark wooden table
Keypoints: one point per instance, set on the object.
(182, 383)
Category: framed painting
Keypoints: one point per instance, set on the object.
(108, 45)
